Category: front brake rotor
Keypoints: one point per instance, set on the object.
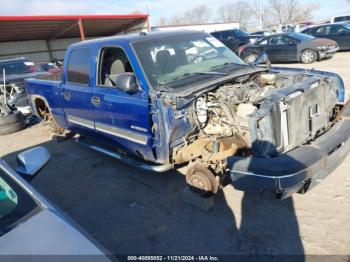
(201, 179)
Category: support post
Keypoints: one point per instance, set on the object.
(148, 25)
(81, 29)
(48, 44)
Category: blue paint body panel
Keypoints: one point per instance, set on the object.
(125, 112)
(144, 127)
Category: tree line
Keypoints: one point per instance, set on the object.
(247, 12)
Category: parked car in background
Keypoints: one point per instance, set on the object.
(340, 18)
(148, 104)
(339, 32)
(16, 70)
(49, 67)
(29, 224)
(261, 33)
(291, 47)
(235, 38)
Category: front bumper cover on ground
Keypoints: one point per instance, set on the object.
(301, 168)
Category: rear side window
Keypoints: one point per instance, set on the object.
(216, 35)
(262, 42)
(79, 66)
(338, 19)
(227, 35)
(323, 30)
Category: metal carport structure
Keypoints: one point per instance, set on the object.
(44, 38)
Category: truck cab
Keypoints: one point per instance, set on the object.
(165, 99)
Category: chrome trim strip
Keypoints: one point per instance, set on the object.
(138, 128)
(122, 133)
(108, 129)
(131, 161)
(80, 121)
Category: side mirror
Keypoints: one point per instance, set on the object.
(31, 161)
(126, 82)
(262, 59)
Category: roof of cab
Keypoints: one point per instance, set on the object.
(135, 37)
(319, 25)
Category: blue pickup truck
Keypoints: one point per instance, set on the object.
(169, 99)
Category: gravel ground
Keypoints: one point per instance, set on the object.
(132, 212)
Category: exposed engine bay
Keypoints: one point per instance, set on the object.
(265, 115)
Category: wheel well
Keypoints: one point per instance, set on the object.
(41, 107)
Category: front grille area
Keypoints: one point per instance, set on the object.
(293, 117)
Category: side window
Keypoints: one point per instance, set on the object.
(113, 61)
(336, 30)
(216, 35)
(79, 66)
(262, 42)
(281, 40)
(338, 19)
(307, 31)
(227, 35)
(327, 30)
(318, 30)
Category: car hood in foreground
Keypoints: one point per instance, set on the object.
(46, 233)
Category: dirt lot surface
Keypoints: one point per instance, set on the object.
(132, 212)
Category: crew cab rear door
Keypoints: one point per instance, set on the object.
(76, 91)
(120, 117)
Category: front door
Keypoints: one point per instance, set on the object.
(120, 118)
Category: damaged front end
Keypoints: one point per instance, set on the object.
(263, 115)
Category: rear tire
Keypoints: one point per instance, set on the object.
(12, 128)
(46, 116)
(10, 118)
(308, 56)
(10, 121)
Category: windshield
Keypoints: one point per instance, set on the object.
(15, 203)
(301, 37)
(171, 58)
(16, 67)
(239, 33)
(347, 26)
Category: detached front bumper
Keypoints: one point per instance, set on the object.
(328, 53)
(297, 170)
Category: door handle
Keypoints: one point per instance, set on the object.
(95, 100)
(66, 96)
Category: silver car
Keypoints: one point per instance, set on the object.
(29, 224)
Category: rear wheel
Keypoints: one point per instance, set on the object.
(201, 180)
(308, 56)
(10, 121)
(46, 116)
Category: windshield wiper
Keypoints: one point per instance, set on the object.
(226, 64)
(187, 75)
(206, 73)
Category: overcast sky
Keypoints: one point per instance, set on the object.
(157, 8)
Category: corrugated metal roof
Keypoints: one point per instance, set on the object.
(17, 28)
